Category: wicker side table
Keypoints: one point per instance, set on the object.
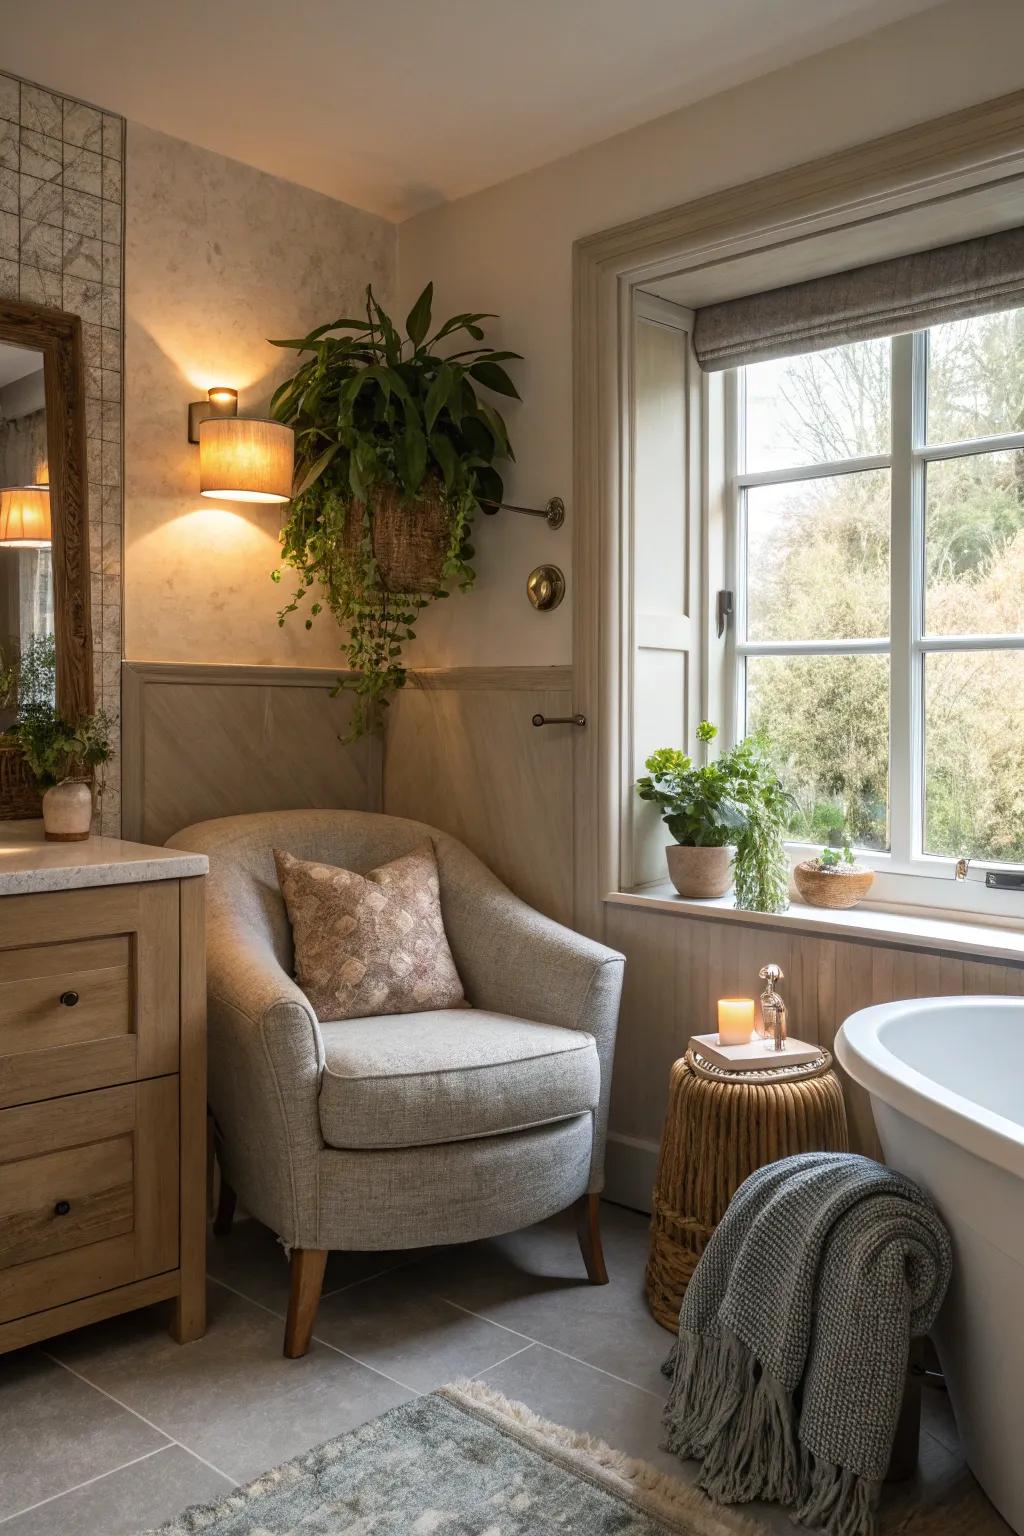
(719, 1128)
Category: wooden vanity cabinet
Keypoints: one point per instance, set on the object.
(102, 1106)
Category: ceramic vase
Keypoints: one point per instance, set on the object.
(701, 873)
(67, 812)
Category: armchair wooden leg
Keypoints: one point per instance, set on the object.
(226, 1202)
(589, 1231)
(307, 1278)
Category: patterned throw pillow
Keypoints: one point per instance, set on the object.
(369, 944)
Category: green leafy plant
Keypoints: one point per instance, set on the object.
(832, 858)
(57, 750)
(736, 798)
(380, 414)
(29, 676)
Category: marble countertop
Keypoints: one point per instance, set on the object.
(28, 863)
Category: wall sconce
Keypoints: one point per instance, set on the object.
(25, 517)
(241, 458)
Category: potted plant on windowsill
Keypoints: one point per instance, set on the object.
(833, 879)
(727, 817)
(63, 756)
(395, 454)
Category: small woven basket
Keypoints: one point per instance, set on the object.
(410, 537)
(20, 797)
(719, 1128)
(820, 889)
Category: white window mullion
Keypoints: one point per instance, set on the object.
(909, 374)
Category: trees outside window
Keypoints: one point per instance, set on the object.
(879, 539)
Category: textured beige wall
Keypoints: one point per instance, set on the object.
(509, 249)
(218, 258)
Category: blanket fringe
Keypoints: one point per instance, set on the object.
(836, 1500)
(742, 1424)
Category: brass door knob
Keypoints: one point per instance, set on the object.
(545, 587)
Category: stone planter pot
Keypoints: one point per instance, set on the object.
(67, 812)
(700, 872)
(820, 889)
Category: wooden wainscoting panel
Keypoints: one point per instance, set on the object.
(678, 967)
(206, 741)
(462, 754)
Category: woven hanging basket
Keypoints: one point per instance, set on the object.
(410, 537)
(717, 1132)
(20, 797)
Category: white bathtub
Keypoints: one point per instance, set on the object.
(946, 1079)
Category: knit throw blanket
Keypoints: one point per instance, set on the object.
(794, 1335)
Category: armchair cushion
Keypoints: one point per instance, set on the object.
(373, 943)
(422, 1079)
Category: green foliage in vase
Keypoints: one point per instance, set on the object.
(376, 411)
(736, 798)
(57, 750)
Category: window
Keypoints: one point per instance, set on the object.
(877, 535)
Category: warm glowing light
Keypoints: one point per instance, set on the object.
(242, 458)
(220, 394)
(25, 517)
(735, 1020)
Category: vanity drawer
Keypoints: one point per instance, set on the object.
(88, 1194)
(98, 1003)
(64, 994)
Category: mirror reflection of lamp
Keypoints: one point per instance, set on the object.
(25, 517)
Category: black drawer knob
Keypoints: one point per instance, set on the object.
(69, 999)
(62, 1208)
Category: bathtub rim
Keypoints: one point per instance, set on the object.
(864, 1056)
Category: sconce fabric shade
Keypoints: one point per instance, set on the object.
(25, 516)
(244, 458)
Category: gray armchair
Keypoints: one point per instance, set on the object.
(411, 1129)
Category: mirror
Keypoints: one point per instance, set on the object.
(27, 645)
(45, 626)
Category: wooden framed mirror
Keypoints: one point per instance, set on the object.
(45, 620)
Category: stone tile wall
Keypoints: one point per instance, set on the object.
(61, 244)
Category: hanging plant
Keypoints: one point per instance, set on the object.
(395, 455)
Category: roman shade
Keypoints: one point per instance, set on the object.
(906, 293)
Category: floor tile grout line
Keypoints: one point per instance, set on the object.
(88, 1483)
(504, 1361)
(234, 1481)
(316, 1338)
(483, 1318)
(350, 1285)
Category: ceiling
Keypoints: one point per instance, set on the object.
(395, 105)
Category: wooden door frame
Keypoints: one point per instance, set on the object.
(928, 163)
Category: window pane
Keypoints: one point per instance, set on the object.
(819, 407)
(976, 377)
(974, 545)
(827, 721)
(974, 726)
(818, 558)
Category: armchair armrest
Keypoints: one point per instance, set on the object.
(514, 960)
(266, 1054)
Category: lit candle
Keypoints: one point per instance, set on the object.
(735, 1020)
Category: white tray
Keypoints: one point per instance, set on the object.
(755, 1056)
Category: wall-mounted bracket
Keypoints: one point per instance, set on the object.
(553, 512)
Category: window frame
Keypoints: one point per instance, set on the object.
(902, 871)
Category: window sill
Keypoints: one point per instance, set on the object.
(923, 930)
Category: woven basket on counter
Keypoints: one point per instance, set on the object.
(719, 1128)
(19, 794)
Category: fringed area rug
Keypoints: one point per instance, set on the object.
(462, 1462)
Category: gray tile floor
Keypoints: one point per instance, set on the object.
(112, 1430)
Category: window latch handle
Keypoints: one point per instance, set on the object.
(723, 611)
